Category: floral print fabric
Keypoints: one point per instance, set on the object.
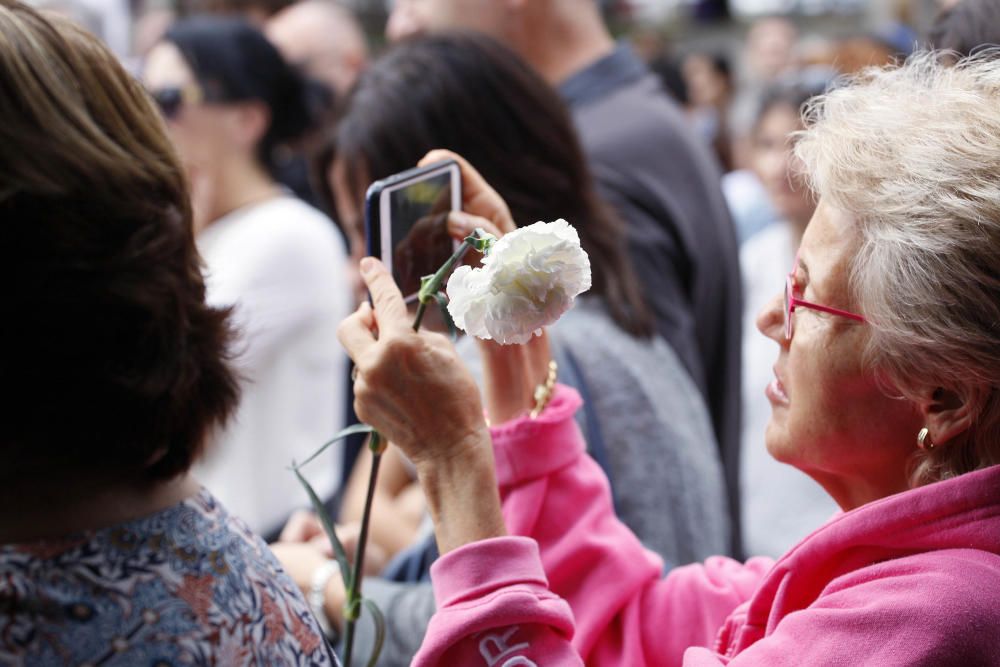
(189, 585)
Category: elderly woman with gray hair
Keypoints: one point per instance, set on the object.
(885, 391)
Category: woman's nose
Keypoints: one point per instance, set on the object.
(771, 319)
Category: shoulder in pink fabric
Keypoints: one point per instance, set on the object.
(910, 579)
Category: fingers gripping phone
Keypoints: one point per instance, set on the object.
(406, 221)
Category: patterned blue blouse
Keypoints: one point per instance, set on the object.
(189, 585)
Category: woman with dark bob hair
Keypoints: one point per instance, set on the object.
(114, 374)
(886, 390)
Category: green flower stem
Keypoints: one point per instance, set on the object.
(430, 288)
(352, 606)
(420, 316)
(431, 285)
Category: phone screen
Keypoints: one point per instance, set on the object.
(419, 229)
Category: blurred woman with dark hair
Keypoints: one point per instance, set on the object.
(114, 374)
(231, 101)
(644, 418)
(473, 96)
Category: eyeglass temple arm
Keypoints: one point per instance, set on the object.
(827, 309)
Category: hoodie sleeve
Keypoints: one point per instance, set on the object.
(575, 584)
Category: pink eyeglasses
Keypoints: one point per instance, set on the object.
(792, 302)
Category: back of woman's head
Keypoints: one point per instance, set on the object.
(234, 62)
(470, 94)
(112, 361)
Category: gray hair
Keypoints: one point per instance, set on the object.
(912, 153)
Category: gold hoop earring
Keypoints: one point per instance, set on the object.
(923, 442)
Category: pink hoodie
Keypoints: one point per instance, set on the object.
(912, 579)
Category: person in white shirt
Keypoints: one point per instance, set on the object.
(780, 504)
(231, 103)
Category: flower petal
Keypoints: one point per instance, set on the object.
(529, 279)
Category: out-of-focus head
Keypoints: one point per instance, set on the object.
(226, 92)
(417, 17)
(708, 79)
(467, 93)
(115, 365)
(771, 155)
(906, 234)
(967, 27)
(770, 47)
(556, 37)
(323, 39)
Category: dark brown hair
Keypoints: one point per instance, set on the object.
(112, 361)
(468, 93)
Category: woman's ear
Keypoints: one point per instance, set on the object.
(252, 121)
(948, 413)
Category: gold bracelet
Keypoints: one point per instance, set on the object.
(543, 392)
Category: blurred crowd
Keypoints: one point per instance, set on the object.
(673, 160)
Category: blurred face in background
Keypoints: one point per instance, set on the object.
(777, 168)
(323, 40)
(410, 17)
(770, 48)
(707, 86)
(206, 134)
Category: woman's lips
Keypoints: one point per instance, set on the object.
(776, 392)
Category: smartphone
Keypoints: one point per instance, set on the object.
(406, 221)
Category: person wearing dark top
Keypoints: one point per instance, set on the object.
(650, 167)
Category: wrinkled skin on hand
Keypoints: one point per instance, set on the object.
(410, 386)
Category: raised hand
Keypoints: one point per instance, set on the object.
(412, 387)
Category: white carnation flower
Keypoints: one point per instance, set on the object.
(527, 281)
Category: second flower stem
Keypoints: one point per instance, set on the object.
(432, 285)
(354, 594)
(352, 609)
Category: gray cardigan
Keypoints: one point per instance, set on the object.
(664, 184)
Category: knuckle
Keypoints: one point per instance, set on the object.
(361, 408)
(399, 349)
(438, 340)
